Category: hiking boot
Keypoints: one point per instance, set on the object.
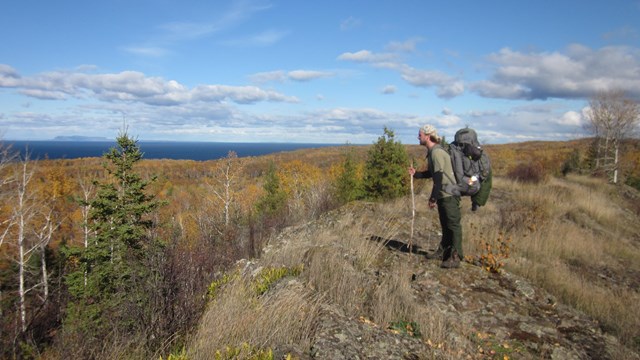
(474, 207)
(451, 263)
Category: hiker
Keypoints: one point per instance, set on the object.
(441, 171)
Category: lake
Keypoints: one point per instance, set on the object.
(53, 149)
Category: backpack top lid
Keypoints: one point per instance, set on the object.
(466, 136)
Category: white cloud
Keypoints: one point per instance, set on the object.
(43, 94)
(571, 118)
(238, 94)
(447, 86)
(9, 77)
(551, 121)
(389, 89)
(578, 72)
(131, 86)
(269, 76)
(366, 56)
(449, 120)
(306, 75)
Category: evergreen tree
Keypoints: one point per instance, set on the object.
(108, 283)
(348, 186)
(275, 198)
(385, 175)
(572, 163)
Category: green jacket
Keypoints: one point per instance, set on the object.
(440, 170)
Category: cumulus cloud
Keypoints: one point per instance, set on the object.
(552, 121)
(238, 94)
(573, 118)
(131, 86)
(8, 76)
(578, 72)
(446, 86)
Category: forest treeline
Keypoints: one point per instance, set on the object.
(102, 257)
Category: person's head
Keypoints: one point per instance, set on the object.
(428, 136)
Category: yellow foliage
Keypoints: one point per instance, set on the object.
(297, 177)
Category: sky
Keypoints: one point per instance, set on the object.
(301, 71)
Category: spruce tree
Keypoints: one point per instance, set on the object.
(110, 277)
(275, 198)
(385, 175)
(348, 186)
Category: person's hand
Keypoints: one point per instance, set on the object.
(412, 170)
(432, 203)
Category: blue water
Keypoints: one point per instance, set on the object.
(200, 151)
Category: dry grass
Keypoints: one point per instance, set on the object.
(571, 237)
(238, 316)
(337, 272)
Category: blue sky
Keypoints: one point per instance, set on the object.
(311, 71)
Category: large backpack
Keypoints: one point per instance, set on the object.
(471, 165)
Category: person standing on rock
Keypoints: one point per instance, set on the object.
(441, 171)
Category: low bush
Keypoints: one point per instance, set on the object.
(532, 172)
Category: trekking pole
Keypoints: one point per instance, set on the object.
(413, 211)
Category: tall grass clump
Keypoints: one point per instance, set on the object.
(238, 317)
(530, 172)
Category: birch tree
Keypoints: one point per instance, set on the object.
(612, 118)
(224, 182)
(28, 238)
(87, 188)
(43, 235)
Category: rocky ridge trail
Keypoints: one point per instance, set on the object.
(484, 315)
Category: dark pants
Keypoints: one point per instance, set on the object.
(449, 213)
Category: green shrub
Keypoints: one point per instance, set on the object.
(385, 174)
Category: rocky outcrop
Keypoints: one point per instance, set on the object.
(484, 315)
